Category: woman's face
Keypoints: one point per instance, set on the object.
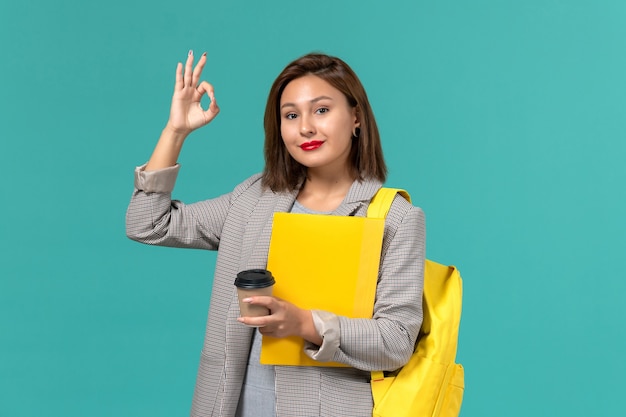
(317, 124)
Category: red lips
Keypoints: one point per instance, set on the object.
(310, 146)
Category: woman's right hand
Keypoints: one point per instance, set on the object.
(186, 112)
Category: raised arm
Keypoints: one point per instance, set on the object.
(186, 113)
(152, 217)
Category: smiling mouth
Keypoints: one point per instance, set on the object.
(310, 146)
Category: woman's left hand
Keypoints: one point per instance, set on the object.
(285, 320)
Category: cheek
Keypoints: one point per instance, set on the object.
(339, 126)
(284, 131)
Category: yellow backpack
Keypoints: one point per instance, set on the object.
(431, 384)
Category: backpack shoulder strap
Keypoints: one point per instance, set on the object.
(381, 202)
(378, 208)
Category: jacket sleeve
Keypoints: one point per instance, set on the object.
(385, 342)
(154, 218)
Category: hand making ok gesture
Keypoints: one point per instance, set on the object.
(186, 112)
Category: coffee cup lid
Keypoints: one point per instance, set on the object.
(254, 278)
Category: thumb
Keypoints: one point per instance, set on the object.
(213, 110)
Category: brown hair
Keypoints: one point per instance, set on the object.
(282, 172)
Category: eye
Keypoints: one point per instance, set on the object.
(290, 116)
(322, 110)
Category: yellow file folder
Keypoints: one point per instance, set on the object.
(326, 263)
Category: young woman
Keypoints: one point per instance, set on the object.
(322, 155)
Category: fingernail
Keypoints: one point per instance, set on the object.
(204, 54)
(240, 319)
(190, 52)
(247, 300)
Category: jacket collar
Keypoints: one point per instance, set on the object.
(358, 196)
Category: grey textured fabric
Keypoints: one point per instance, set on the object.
(239, 225)
(257, 397)
(257, 393)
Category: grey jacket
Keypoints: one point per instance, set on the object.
(238, 226)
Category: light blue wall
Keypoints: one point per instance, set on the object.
(504, 119)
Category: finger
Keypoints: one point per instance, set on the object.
(188, 76)
(197, 71)
(179, 77)
(206, 88)
(262, 300)
(213, 107)
(252, 321)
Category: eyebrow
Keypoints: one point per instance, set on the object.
(315, 100)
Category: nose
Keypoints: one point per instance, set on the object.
(307, 127)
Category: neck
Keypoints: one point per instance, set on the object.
(323, 191)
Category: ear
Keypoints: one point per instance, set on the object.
(357, 116)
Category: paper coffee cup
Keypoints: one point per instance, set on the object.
(250, 283)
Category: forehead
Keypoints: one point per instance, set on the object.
(307, 88)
